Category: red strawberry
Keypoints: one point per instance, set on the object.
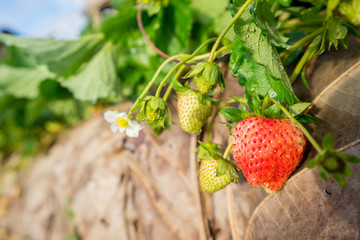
(267, 150)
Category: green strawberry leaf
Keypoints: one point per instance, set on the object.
(232, 113)
(266, 21)
(61, 57)
(298, 108)
(23, 82)
(258, 79)
(86, 85)
(258, 44)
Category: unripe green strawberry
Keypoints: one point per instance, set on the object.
(202, 85)
(192, 113)
(154, 114)
(351, 10)
(206, 76)
(267, 150)
(209, 181)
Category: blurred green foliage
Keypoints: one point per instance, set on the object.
(49, 85)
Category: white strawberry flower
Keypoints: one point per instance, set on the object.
(121, 122)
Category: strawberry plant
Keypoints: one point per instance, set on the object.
(256, 40)
(269, 140)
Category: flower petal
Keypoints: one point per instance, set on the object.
(123, 115)
(110, 116)
(132, 132)
(114, 128)
(135, 125)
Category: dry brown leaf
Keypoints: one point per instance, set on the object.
(308, 208)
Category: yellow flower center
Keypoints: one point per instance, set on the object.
(122, 122)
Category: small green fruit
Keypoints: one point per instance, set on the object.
(208, 178)
(193, 114)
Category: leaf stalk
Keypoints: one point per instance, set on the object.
(226, 29)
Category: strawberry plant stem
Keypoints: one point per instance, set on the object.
(302, 24)
(197, 58)
(305, 131)
(184, 60)
(177, 76)
(214, 116)
(301, 42)
(226, 29)
(227, 150)
(147, 39)
(153, 80)
(301, 64)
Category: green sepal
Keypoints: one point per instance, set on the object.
(311, 163)
(340, 180)
(333, 163)
(158, 129)
(138, 105)
(336, 31)
(141, 115)
(198, 69)
(233, 114)
(352, 30)
(155, 111)
(178, 87)
(273, 111)
(254, 103)
(306, 118)
(244, 112)
(239, 99)
(230, 125)
(303, 78)
(221, 168)
(323, 174)
(298, 108)
(225, 166)
(328, 142)
(208, 151)
(323, 42)
(202, 98)
(211, 72)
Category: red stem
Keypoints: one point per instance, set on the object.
(147, 39)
